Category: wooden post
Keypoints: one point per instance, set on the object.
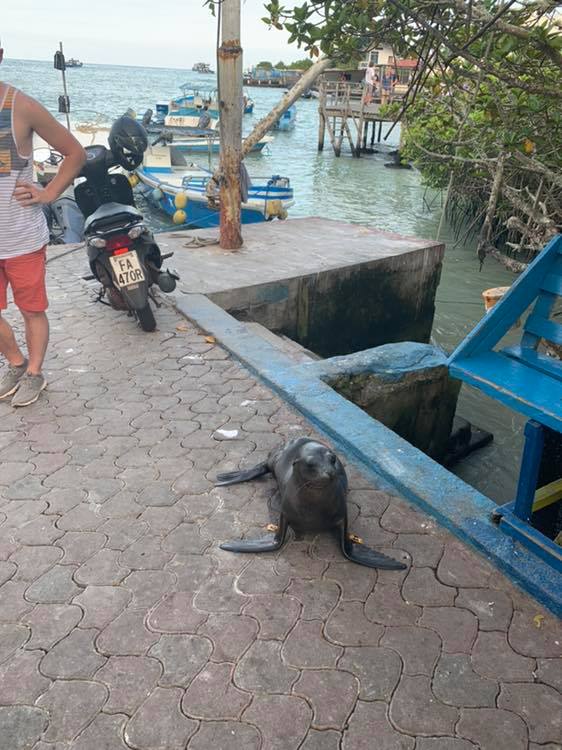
(66, 99)
(230, 107)
(360, 128)
(322, 116)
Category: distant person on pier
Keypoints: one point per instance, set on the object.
(389, 81)
(371, 80)
(24, 234)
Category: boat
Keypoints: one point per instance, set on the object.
(72, 62)
(248, 105)
(191, 103)
(180, 191)
(288, 119)
(181, 132)
(202, 68)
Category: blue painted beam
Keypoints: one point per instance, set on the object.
(390, 461)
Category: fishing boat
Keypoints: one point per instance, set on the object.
(202, 68)
(72, 62)
(181, 191)
(182, 132)
(288, 119)
(191, 103)
(248, 105)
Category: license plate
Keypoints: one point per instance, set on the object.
(127, 269)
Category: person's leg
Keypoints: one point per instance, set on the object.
(8, 345)
(37, 338)
(26, 274)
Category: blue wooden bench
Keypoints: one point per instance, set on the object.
(524, 378)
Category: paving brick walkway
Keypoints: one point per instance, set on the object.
(122, 625)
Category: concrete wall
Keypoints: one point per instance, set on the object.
(349, 308)
(405, 386)
(332, 286)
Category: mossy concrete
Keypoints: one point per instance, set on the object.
(405, 386)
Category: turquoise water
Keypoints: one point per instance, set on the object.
(356, 190)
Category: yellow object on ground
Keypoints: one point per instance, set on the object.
(133, 180)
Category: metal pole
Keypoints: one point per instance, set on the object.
(64, 87)
(230, 107)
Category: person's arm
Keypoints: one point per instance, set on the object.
(58, 137)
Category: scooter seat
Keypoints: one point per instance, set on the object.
(111, 215)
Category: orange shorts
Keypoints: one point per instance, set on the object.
(26, 275)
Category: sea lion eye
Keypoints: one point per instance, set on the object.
(333, 458)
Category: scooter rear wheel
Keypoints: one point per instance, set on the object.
(145, 316)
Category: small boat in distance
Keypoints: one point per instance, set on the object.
(288, 119)
(73, 62)
(202, 68)
(248, 105)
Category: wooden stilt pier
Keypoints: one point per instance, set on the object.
(342, 109)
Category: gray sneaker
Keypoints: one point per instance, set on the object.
(28, 389)
(11, 378)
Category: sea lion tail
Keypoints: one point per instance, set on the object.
(235, 477)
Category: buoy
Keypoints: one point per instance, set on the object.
(156, 195)
(133, 180)
(491, 296)
(179, 217)
(273, 207)
(180, 201)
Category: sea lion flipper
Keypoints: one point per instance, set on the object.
(235, 477)
(267, 543)
(358, 553)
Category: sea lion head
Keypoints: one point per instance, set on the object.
(317, 464)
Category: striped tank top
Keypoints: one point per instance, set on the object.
(22, 229)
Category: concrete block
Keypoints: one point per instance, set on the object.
(405, 386)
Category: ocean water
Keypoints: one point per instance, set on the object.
(356, 190)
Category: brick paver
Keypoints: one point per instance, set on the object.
(122, 624)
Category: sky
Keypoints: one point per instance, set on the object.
(170, 33)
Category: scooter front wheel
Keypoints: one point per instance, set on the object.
(146, 319)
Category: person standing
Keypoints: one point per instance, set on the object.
(24, 234)
(371, 79)
(389, 81)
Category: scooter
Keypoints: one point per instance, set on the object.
(122, 252)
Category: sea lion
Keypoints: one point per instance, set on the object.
(313, 497)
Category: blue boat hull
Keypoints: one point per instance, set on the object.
(198, 212)
(200, 216)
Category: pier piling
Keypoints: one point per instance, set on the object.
(341, 106)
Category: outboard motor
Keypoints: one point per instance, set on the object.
(122, 252)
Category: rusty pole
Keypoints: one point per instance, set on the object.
(230, 106)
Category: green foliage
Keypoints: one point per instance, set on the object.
(265, 64)
(487, 87)
(280, 65)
